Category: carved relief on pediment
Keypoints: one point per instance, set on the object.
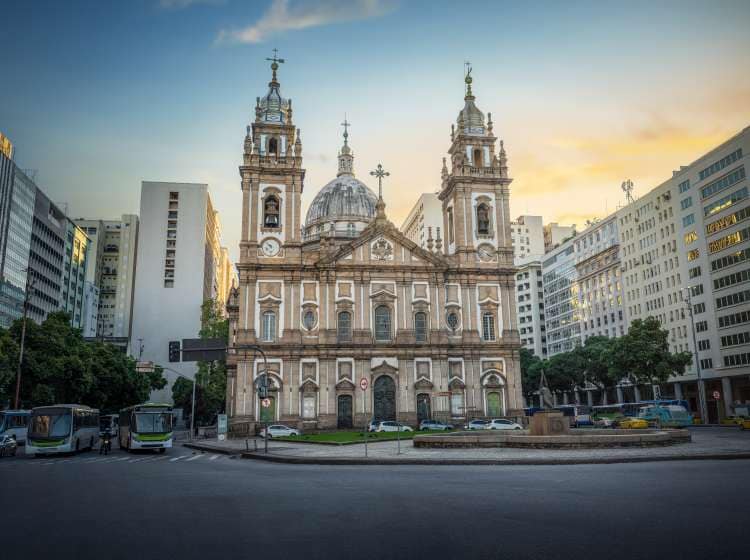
(272, 289)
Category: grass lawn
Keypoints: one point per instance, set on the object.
(353, 436)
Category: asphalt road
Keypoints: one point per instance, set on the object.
(187, 506)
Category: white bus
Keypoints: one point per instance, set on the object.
(62, 428)
(14, 423)
(146, 426)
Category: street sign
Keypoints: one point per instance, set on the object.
(265, 403)
(363, 384)
(716, 395)
(221, 423)
(145, 367)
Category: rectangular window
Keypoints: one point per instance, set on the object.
(721, 164)
(737, 360)
(731, 178)
(684, 186)
(734, 319)
(690, 237)
(269, 326)
(707, 363)
(488, 327)
(169, 283)
(701, 326)
(725, 202)
(732, 279)
(733, 299)
(694, 272)
(730, 260)
(308, 406)
(692, 255)
(696, 290)
(728, 221)
(704, 345)
(688, 220)
(699, 308)
(729, 240)
(457, 404)
(686, 202)
(174, 196)
(735, 339)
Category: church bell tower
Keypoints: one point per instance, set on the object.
(475, 190)
(272, 179)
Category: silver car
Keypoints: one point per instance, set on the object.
(279, 430)
(476, 425)
(502, 424)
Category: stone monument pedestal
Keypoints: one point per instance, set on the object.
(549, 423)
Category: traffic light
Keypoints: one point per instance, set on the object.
(174, 350)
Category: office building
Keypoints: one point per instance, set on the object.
(425, 220)
(530, 307)
(527, 233)
(555, 234)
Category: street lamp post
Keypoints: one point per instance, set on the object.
(701, 388)
(29, 286)
(192, 405)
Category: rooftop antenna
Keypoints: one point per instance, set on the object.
(627, 188)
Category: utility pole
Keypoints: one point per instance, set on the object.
(701, 388)
(29, 286)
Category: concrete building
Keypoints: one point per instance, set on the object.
(530, 307)
(90, 309)
(425, 219)
(74, 274)
(433, 330)
(17, 198)
(561, 305)
(176, 272)
(527, 233)
(111, 268)
(47, 254)
(555, 234)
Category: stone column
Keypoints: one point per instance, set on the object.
(565, 397)
(619, 394)
(726, 391)
(637, 393)
(590, 398)
(554, 398)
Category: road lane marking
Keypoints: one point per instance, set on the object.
(214, 457)
(194, 457)
(178, 458)
(138, 460)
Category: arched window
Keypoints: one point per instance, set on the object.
(488, 326)
(271, 212)
(269, 326)
(344, 326)
(477, 158)
(382, 323)
(450, 225)
(483, 219)
(273, 146)
(420, 326)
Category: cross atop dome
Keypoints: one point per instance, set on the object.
(275, 60)
(273, 108)
(346, 157)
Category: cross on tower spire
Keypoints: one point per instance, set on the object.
(275, 60)
(346, 124)
(467, 77)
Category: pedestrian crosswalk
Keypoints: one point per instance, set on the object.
(178, 456)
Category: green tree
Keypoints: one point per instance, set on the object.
(597, 356)
(60, 366)
(643, 354)
(566, 370)
(531, 372)
(211, 379)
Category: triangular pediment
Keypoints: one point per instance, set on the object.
(382, 244)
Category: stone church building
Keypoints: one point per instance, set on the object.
(341, 295)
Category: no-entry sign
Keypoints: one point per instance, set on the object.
(265, 403)
(363, 384)
(716, 395)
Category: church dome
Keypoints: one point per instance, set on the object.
(343, 199)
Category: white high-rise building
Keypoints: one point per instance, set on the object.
(530, 307)
(111, 268)
(527, 233)
(426, 216)
(178, 264)
(555, 234)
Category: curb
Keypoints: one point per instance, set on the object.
(212, 449)
(298, 460)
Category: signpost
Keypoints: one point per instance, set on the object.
(717, 397)
(363, 384)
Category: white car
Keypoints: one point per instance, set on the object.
(279, 430)
(476, 425)
(502, 424)
(389, 426)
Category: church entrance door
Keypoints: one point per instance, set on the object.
(494, 404)
(424, 411)
(268, 414)
(344, 412)
(384, 394)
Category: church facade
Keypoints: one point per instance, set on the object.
(341, 295)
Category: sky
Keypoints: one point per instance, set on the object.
(99, 96)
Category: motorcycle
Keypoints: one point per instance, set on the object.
(106, 444)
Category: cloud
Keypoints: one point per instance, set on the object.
(284, 15)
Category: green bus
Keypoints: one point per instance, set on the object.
(146, 426)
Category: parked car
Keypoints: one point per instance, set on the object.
(373, 426)
(8, 445)
(502, 424)
(745, 424)
(434, 425)
(632, 424)
(279, 430)
(604, 422)
(390, 426)
(476, 425)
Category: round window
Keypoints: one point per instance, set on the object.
(308, 319)
(452, 320)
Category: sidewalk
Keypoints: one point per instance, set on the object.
(707, 444)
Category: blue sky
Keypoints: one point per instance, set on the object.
(98, 96)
